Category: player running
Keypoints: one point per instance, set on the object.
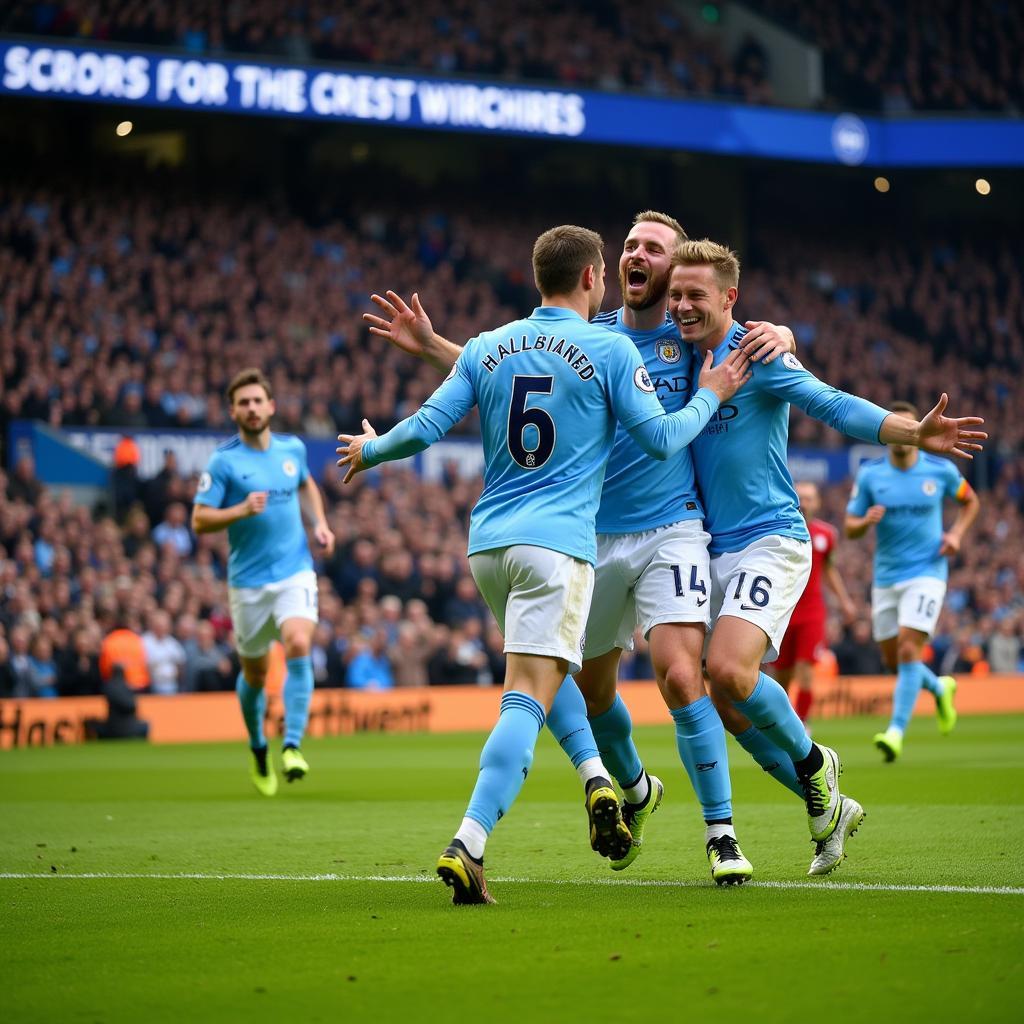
(760, 547)
(652, 560)
(550, 389)
(255, 487)
(804, 640)
(902, 497)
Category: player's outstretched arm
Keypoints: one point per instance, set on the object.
(943, 435)
(207, 519)
(439, 413)
(409, 329)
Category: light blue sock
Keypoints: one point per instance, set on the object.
(700, 738)
(568, 722)
(930, 681)
(777, 763)
(769, 709)
(254, 708)
(298, 692)
(613, 732)
(506, 758)
(908, 685)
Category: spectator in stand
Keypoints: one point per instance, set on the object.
(368, 667)
(23, 485)
(78, 672)
(125, 477)
(8, 681)
(165, 657)
(1004, 646)
(408, 657)
(19, 661)
(173, 530)
(208, 665)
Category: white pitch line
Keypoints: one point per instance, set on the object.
(972, 890)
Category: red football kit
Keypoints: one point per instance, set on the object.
(805, 637)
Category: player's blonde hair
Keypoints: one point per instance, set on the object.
(657, 217)
(560, 256)
(702, 252)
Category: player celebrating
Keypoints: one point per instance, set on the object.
(804, 640)
(549, 388)
(902, 497)
(760, 547)
(652, 560)
(254, 487)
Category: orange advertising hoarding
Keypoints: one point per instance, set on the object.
(211, 717)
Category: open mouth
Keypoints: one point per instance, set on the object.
(687, 321)
(636, 277)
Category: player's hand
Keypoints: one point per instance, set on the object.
(406, 328)
(255, 502)
(848, 610)
(325, 538)
(950, 544)
(351, 450)
(766, 341)
(948, 436)
(874, 514)
(728, 376)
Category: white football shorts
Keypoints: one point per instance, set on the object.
(539, 598)
(762, 584)
(914, 603)
(647, 578)
(257, 612)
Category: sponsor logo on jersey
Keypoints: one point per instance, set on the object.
(642, 379)
(929, 487)
(669, 351)
(289, 467)
(205, 483)
(791, 362)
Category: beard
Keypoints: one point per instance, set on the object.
(253, 426)
(653, 293)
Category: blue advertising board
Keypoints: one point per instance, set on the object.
(321, 92)
(84, 455)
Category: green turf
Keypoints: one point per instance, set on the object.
(559, 946)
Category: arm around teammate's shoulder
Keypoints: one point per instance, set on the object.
(668, 433)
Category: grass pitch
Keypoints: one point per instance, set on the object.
(321, 904)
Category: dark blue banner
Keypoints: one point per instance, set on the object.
(71, 71)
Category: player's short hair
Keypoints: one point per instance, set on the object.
(701, 252)
(560, 256)
(657, 217)
(250, 375)
(907, 407)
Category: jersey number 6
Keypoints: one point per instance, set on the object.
(520, 418)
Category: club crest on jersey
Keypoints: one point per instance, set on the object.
(669, 351)
(791, 362)
(929, 487)
(289, 467)
(642, 379)
(205, 483)
(820, 543)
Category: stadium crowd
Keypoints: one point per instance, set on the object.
(132, 309)
(607, 44)
(878, 55)
(914, 54)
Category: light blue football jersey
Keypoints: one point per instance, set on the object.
(270, 546)
(908, 537)
(641, 493)
(740, 456)
(550, 389)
